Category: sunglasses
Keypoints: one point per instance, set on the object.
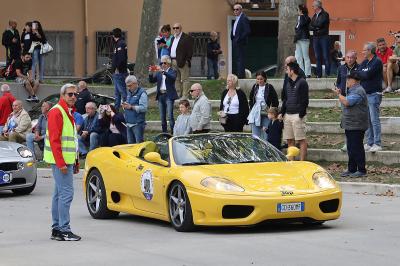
(163, 63)
(236, 9)
(70, 94)
(192, 90)
(175, 28)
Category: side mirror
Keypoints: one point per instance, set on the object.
(154, 157)
(292, 152)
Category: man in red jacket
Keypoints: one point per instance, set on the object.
(60, 151)
(5, 105)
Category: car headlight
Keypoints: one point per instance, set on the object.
(221, 184)
(323, 180)
(24, 152)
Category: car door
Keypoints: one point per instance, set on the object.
(148, 187)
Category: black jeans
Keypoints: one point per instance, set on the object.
(355, 150)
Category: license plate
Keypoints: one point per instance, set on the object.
(5, 177)
(291, 207)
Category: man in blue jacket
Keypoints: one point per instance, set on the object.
(165, 77)
(135, 110)
(370, 72)
(239, 36)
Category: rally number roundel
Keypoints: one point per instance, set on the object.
(147, 184)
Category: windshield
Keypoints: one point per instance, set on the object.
(223, 149)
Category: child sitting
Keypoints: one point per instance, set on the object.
(275, 128)
(182, 126)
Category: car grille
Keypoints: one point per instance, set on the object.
(9, 166)
(15, 181)
(329, 205)
(236, 211)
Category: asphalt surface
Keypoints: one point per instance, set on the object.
(367, 233)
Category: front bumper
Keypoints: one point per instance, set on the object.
(21, 177)
(207, 208)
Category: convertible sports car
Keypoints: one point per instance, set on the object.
(17, 168)
(208, 179)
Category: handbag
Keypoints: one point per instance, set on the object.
(33, 45)
(46, 48)
(222, 117)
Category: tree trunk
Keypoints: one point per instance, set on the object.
(145, 55)
(287, 23)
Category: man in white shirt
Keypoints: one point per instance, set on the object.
(239, 36)
(181, 52)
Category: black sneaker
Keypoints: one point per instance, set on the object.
(29, 99)
(69, 236)
(35, 99)
(56, 235)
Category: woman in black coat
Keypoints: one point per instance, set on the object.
(262, 97)
(234, 105)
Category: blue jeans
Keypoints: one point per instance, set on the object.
(374, 130)
(1, 129)
(321, 50)
(212, 65)
(62, 198)
(37, 59)
(120, 89)
(166, 107)
(93, 143)
(135, 134)
(302, 55)
(258, 130)
(30, 142)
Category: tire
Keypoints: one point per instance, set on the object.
(179, 208)
(96, 197)
(25, 190)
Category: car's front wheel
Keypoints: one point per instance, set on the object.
(96, 199)
(180, 210)
(25, 190)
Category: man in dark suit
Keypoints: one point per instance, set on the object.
(11, 41)
(181, 51)
(165, 77)
(239, 36)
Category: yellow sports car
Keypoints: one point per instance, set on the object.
(208, 179)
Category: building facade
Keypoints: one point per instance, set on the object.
(79, 29)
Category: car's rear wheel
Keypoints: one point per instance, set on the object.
(180, 210)
(96, 197)
(25, 190)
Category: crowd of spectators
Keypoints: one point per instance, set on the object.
(25, 56)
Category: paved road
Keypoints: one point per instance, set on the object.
(368, 233)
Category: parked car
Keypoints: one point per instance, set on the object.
(17, 168)
(103, 75)
(271, 70)
(208, 179)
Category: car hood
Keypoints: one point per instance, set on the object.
(8, 149)
(266, 177)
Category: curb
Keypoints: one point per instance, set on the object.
(347, 187)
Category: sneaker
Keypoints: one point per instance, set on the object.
(358, 174)
(375, 148)
(35, 99)
(387, 90)
(346, 173)
(56, 234)
(344, 148)
(367, 147)
(69, 236)
(29, 99)
(397, 91)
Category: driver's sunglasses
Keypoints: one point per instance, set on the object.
(70, 94)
